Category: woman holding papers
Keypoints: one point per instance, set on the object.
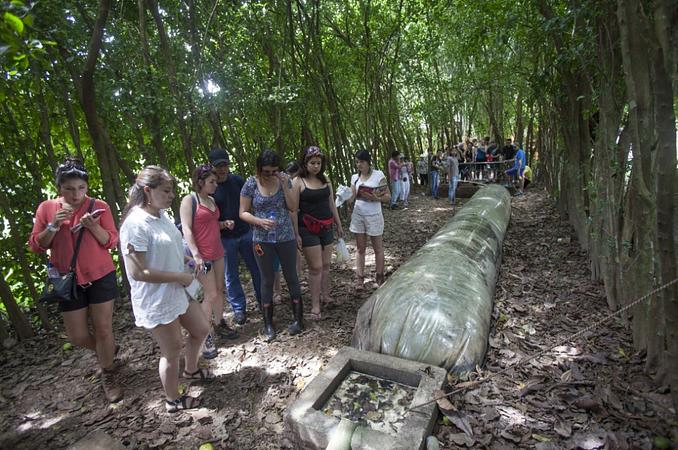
(370, 190)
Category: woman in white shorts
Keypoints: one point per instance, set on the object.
(154, 260)
(370, 190)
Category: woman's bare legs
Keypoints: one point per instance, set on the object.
(213, 285)
(102, 321)
(361, 244)
(101, 342)
(168, 337)
(198, 327)
(314, 260)
(378, 246)
(325, 280)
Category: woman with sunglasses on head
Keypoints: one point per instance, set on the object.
(154, 260)
(95, 272)
(370, 190)
(266, 201)
(317, 214)
(201, 227)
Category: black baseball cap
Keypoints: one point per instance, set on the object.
(218, 156)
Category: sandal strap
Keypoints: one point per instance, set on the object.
(202, 374)
(181, 403)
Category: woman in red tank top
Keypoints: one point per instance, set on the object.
(201, 227)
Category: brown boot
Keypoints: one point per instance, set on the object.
(112, 391)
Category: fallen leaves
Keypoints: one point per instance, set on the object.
(572, 397)
(587, 394)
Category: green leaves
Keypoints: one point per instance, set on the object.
(14, 22)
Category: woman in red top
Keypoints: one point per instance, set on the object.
(95, 271)
(202, 232)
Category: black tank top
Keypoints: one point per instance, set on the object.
(314, 202)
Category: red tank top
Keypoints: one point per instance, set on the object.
(206, 233)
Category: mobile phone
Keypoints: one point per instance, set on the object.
(97, 212)
(94, 214)
(206, 267)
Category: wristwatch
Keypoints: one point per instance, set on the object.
(51, 227)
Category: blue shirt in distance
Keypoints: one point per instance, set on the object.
(520, 156)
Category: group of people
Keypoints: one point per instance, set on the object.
(471, 160)
(266, 220)
(400, 172)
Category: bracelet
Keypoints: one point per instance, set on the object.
(51, 228)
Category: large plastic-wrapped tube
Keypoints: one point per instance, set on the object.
(436, 308)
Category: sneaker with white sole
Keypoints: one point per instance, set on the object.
(209, 350)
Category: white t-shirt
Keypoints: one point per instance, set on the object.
(154, 303)
(364, 207)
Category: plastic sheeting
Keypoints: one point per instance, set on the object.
(436, 308)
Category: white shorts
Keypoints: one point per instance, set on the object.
(372, 225)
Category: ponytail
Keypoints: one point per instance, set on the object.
(151, 176)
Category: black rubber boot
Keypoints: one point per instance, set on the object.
(268, 331)
(297, 326)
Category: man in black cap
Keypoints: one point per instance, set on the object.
(236, 235)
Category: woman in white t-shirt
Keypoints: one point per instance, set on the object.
(154, 260)
(370, 190)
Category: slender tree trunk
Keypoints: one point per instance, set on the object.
(665, 123)
(649, 327)
(173, 85)
(152, 118)
(16, 317)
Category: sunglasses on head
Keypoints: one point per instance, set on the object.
(204, 169)
(71, 166)
(313, 151)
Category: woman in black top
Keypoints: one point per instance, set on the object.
(317, 214)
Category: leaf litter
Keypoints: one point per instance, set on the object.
(51, 396)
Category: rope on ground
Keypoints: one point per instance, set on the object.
(563, 341)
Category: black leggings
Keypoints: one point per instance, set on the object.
(287, 254)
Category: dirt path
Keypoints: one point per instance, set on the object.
(592, 390)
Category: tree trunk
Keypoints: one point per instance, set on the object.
(173, 85)
(152, 118)
(648, 318)
(665, 169)
(16, 317)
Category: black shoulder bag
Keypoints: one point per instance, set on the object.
(64, 288)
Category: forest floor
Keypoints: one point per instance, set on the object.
(587, 394)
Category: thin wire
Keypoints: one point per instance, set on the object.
(557, 344)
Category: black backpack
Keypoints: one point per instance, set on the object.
(194, 204)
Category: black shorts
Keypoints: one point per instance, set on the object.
(99, 291)
(309, 239)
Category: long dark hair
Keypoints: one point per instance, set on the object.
(308, 154)
(70, 169)
(151, 176)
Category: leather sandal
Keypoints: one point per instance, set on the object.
(182, 403)
(200, 374)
